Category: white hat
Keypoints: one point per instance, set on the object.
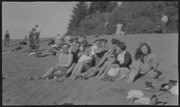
(135, 93)
(174, 90)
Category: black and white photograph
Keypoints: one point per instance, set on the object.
(90, 53)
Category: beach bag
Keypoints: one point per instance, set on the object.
(113, 71)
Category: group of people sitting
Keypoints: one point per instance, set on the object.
(79, 59)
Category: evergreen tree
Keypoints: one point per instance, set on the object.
(79, 12)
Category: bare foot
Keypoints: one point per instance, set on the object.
(61, 79)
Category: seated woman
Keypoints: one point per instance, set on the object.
(123, 60)
(145, 62)
(84, 63)
(65, 61)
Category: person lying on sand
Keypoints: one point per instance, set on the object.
(145, 62)
(51, 50)
(19, 47)
(65, 60)
(84, 63)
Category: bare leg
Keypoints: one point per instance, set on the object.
(79, 70)
(74, 71)
(94, 73)
(90, 73)
(48, 73)
(5, 43)
(102, 69)
(59, 73)
(132, 75)
(134, 70)
(105, 71)
(70, 69)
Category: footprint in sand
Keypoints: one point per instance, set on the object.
(7, 100)
(60, 99)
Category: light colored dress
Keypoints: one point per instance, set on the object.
(119, 33)
(148, 67)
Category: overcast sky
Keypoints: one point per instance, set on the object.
(20, 17)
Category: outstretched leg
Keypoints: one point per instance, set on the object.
(48, 73)
(79, 70)
(102, 69)
(132, 75)
(105, 71)
(74, 71)
(91, 73)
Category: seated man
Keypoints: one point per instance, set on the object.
(60, 69)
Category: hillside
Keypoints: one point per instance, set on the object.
(17, 89)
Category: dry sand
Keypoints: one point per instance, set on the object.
(17, 89)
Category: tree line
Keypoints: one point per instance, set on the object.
(136, 17)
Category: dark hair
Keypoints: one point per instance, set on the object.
(118, 43)
(77, 42)
(97, 40)
(75, 38)
(115, 41)
(122, 45)
(65, 44)
(104, 40)
(96, 36)
(139, 54)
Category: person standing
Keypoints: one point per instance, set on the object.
(6, 39)
(31, 40)
(36, 37)
(37, 34)
(119, 32)
(164, 19)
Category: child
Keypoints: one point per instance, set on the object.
(84, 63)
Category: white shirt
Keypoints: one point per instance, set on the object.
(83, 58)
(118, 29)
(37, 30)
(164, 19)
(120, 57)
(93, 48)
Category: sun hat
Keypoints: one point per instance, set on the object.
(135, 93)
(174, 90)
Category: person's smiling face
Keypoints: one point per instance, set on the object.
(65, 48)
(144, 49)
